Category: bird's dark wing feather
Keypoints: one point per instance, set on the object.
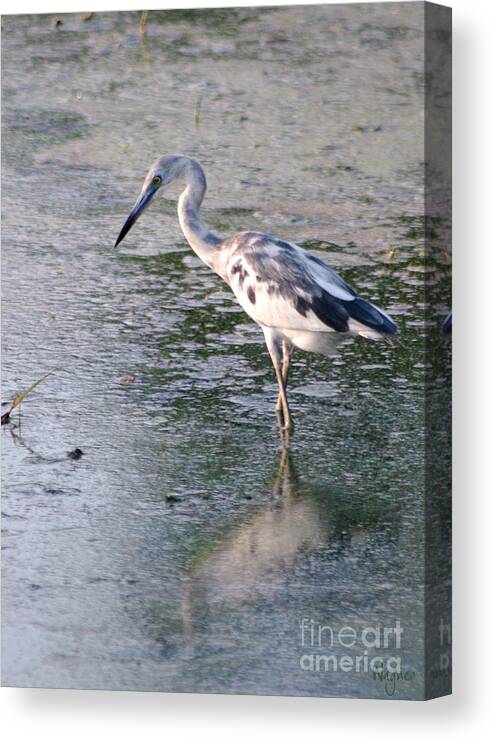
(281, 285)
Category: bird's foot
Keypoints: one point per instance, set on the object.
(285, 422)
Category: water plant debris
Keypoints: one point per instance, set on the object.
(21, 397)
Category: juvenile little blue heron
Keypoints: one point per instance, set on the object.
(296, 298)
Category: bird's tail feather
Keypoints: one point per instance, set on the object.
(370, 316)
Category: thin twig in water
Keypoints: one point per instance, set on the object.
(198, 108)
(143, 20)
(21, 397)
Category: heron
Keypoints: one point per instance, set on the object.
(298, 300)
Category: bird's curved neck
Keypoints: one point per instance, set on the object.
(200, 239)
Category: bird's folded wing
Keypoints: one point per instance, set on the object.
(281, 285)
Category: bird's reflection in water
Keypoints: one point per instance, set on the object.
(257, 551)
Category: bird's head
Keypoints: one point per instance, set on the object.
(161, 173)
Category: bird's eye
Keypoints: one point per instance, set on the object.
(156, 181)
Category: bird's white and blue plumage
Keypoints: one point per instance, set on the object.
(283, 287)
(297, 299)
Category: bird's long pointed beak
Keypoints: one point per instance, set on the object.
(142, 203)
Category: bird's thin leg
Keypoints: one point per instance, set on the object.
(283, 410)
(274, 347)
(286, 415)
(286, 359)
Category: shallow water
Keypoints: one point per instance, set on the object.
(183, 550)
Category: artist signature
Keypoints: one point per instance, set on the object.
(390, 679)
